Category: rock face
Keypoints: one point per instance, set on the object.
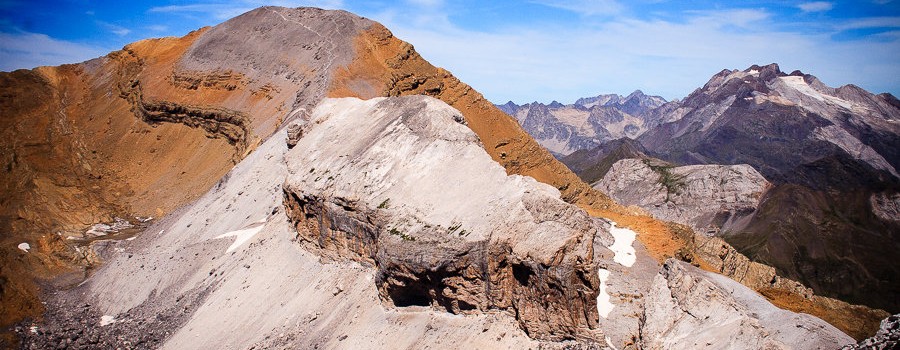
(831, 156)
(888, 336)
(402, 189)
(708, 198)
(564, 129)
(592, 164)
(685, 299)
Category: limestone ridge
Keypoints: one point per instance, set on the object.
(709, 198)
(743, 318)
(588, 123)
(476, 254)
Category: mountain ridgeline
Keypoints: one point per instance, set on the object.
(587, 123)
(828, 216)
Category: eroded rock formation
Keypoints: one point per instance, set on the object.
(517, 248)
(685, 299)
(708, 198)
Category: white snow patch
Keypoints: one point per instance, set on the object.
(797, 83)
(243, 235)
(131, 238)
(24, 246)
(609, 342)
(604, 306)
(103, 229)
(33, 329)
(106, 320)
(623, 245)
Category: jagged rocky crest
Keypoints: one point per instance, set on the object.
(589, 122)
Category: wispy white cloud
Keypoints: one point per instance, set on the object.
(158, 28)
(426, 3)
(870, 22)
(816, 6)
(24, 49)
(585, 7)
(720, 19)
(115, 29)
(666, 57)
(228, 9)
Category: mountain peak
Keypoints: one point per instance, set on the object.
(636, 93)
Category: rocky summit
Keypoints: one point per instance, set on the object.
(300, 178)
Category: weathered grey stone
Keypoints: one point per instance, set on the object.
(887, 337)
(708, 198)
(688, 308)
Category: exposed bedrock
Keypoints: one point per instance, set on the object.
(519, 249)
(688, 308)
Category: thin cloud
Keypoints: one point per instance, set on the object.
(29, 50)
(115, 29)
(870, 22)
(665, 57)
(585, 7)
(816, 6)
(226, 10)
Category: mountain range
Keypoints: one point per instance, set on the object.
(587, 123)
(827, 216)
(301, 178)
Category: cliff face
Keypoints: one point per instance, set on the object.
(742, 318)
(403, 190)
(708, 198)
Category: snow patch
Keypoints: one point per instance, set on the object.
(797, 83)
(33, 329)
(604, 306)
(102, 229)
(610, 344)
(107, 320)
(623, 245)
(243, 235)
(24, 246)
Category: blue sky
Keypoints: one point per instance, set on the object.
(526, 50)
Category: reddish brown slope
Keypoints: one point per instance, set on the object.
(145, 130)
